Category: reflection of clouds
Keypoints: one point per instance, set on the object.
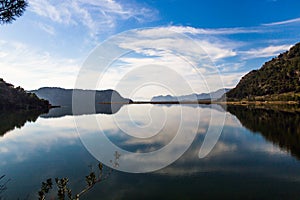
(44, 134)
(222, 148)
(268, 148)
(3, 149)
(239, 152)
(228, 156)
(232, 121)
(142, 121)
(178, 133)
(167, 131)
(236, 142)
(232, 153)
(64, 122)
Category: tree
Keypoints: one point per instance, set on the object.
(11, 9)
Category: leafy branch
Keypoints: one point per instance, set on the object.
(10, 9)
(63, 189)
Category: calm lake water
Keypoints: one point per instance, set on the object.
(256, 156)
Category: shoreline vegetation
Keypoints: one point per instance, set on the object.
(282, 106)
(16, 98)
(238, 102)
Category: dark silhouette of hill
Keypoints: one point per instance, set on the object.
(277, 76)
(12, 98)
(106, 101)
(63, 97)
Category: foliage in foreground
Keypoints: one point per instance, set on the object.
(11, 9)
(65, 192)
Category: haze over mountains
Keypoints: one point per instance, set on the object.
(192, 97)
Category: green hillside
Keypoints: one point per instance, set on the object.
(12, 98)
(277, 79)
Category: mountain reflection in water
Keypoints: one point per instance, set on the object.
(279, 127)
(249, 160)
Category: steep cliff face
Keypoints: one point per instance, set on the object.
(12, 98)
(277, 76)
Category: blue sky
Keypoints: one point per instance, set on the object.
(49, 43)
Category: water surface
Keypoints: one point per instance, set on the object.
(256, 156)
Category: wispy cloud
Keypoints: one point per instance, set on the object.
(162, 45)
(265, 51)
(211, 50)
(295, 20)
(47, 28)
(157, 55)
(96, 16)
(171, 38)
(228, 67)
(58, 13)
(217, 31)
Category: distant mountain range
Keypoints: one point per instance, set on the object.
(192, 97)
(12, 98)
(278, 78)
(63, 97)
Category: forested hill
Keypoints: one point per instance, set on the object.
(281, 75)
(12, 98)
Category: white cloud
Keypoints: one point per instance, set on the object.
(295, 20)
(227, 67)
(203, 61)
(217, 50)
(168, 38)
(166, 72)
(96, 16)
(265, 51)
(203, 31)
(164, 58)
(58, 13)
(216, 31)
(47, 28)
(22, 65)
(230, 80)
